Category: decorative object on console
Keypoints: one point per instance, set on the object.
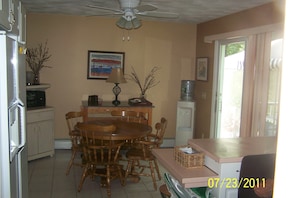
(149, 82)
(139, 102)
(94, 100)
(116, 77)
(36, 59)
(100, 63)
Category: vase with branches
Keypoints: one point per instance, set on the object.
(149, 81)
(36, 58)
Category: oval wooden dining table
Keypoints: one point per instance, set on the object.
(124, 130)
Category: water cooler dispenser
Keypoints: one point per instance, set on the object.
(185, 117)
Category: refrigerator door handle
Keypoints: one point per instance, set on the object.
(22, 108)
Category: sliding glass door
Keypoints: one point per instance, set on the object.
(229, 87)
(247, 86)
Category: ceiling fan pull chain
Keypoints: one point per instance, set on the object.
(123, 36)
(128, 37)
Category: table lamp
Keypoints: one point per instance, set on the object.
(116, 76)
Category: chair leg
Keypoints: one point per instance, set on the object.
(128, 169)
(70, 162)
(120, 172)
(157, 169)
(83, 177)
(153, 174)
(108, 181)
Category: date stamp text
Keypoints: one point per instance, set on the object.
(235, 182)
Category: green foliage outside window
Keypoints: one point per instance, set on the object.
(234, 48)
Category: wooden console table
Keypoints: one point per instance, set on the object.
(103, 110)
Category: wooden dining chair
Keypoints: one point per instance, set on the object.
(72, 118)
(102, 153)
(157, 135)
(129, 116)
(141, 157)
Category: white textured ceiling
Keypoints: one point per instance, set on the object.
(189, 11)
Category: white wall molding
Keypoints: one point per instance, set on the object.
(244, 32)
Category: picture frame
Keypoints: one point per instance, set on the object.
(202, 69)
(100, 63)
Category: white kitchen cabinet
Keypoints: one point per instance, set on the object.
(14, 17)
(5, 14)
(40, 133)
(9, 15)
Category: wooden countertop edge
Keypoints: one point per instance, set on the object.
(235, 148)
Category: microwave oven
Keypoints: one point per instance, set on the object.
(36, 99)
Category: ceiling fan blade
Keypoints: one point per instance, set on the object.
(107, 9)
(103, 14)
(148, 7)
(170, 15)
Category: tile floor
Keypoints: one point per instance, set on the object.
(47, 179)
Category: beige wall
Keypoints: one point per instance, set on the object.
(170, 46)
(263, 15)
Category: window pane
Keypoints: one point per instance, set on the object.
(274, 87)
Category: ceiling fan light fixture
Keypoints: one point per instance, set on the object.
(121, 22)
(136, 23)
(128, 24)
(130, 9)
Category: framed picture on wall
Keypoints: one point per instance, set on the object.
(201, 69)
(100, 63)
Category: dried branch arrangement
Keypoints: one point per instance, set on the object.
(36, 57)
(149, 82)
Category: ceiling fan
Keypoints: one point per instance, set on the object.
(130, 9)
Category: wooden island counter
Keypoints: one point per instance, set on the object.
(222, 159)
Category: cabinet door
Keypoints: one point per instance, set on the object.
(32, 138)
(9, 15)
(45, 136)
(4, 14)
(14, 16)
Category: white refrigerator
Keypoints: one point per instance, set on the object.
(13, 148)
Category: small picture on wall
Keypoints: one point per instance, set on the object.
(100, 63)
(201, 69)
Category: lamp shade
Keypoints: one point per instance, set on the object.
(116, 76)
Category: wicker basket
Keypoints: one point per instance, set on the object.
(194, 160)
